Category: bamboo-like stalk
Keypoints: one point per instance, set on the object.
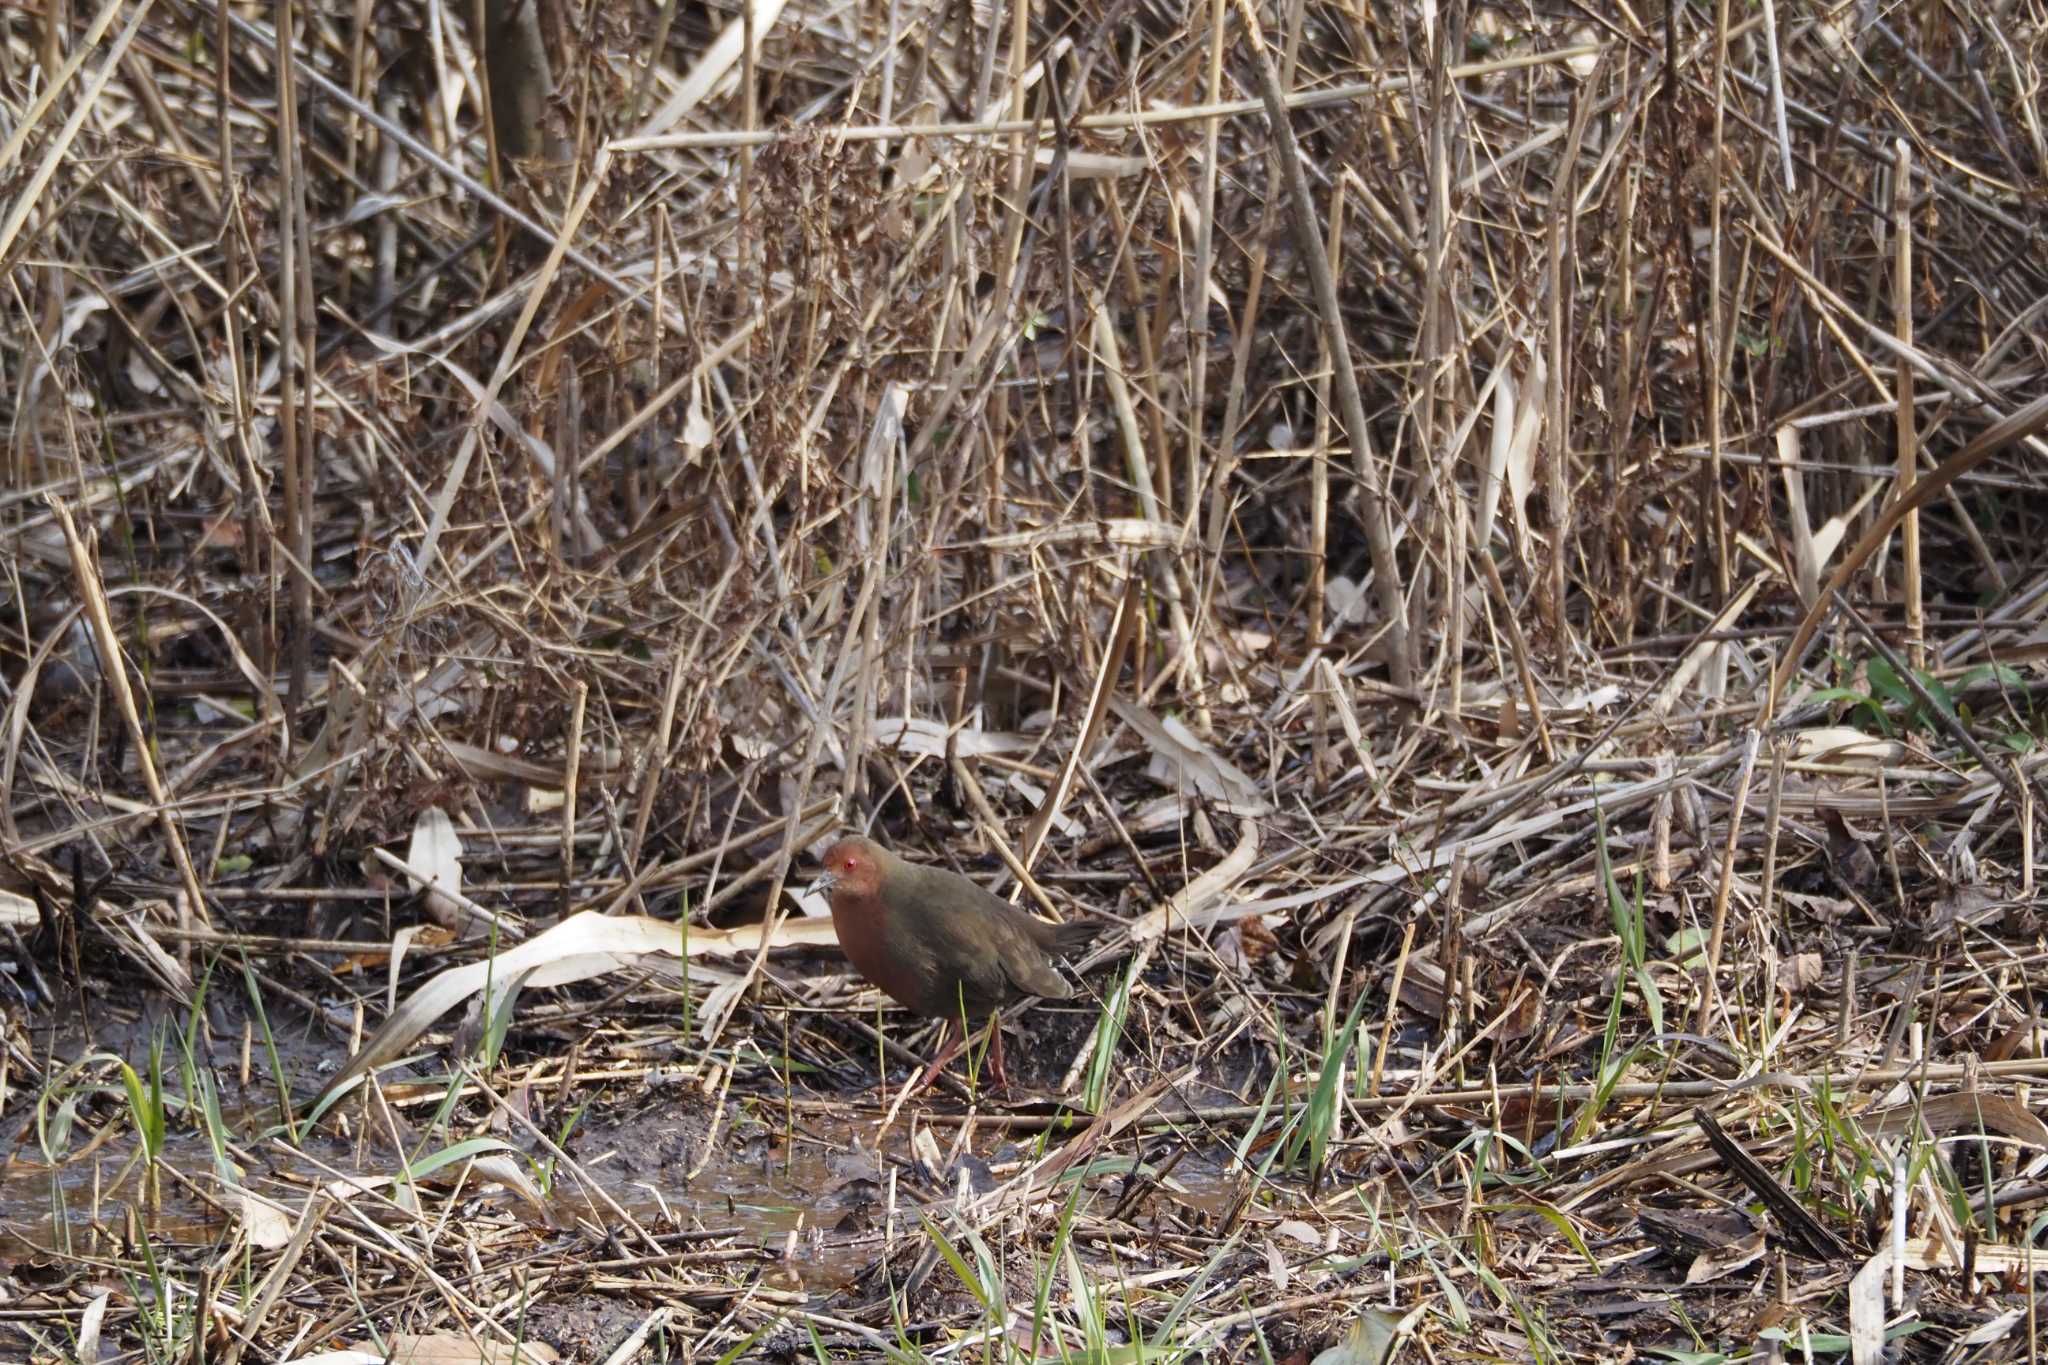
(1907, 428)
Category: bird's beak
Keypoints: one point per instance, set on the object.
(823, 885)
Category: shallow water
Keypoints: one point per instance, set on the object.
(808, 1189)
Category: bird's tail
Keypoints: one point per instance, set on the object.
(1074, 935)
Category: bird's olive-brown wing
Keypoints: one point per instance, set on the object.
(1025, 961)
(982, 945)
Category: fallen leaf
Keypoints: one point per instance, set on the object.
(1276, 1267)
(1844, 744)
(89, 1324)
(1374, 1336)
(18, 911)
(583, 946)
(1723, 1261)
(930, 738)
(448, 1348)
(268, 1226)
(1180, 759)
(1961, 1111)
(435, 853)
(1866, 1309)
(697, 432)
(1798, 972)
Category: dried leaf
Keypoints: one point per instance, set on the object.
(1343, 601)
(1373, 1338)
(449, 1348)
(1866, 1309)
(1179, 759)
(1299, 1231)
(1993, 1329)
(1799, 972)
(435, 853)
(1276, 1268)
(580, 947)
(1722, 1261)
(929, 738)
(1132, 532)
(1196, 896)
(697, 433)
(717, 62)
(1962, 1111)
(1845, 744)
(1853, 862)
(266, 1225)
(18, 911)
(1520, 456)
(1496, 460)
(89, 1324)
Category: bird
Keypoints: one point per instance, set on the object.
(942, 946)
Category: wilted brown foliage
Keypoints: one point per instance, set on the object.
(1569, 602)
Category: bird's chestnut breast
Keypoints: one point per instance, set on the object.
(879, 952)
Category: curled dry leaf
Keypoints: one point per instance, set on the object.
(1848, 854)
(1301, 1232)
(580, 947)
(1255, 939)
(1866, 1309)
(1227, 648)
(1995, 1328)
(1196, 896)
(1096, 165)
(1343, 601)
(930, 738)
(1518, 460)
(1067, 825)
(18, 911)
(1374, 1336)
(1845, 744)
(89, 1325)
(482, 765)
(1276, 1267)
(436, 854)
(697, 433)
(1180, 759)
(1967, 907)
(131, 929)
(1722, 1261)
(450, 1348)
(1501, 387)
(1134, 533)
(266, 1224)
(1811, 549)
(1959, 1112)
(1992, 1258)
(1799, 973)
(712, 67)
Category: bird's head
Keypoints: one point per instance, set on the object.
(853, 867)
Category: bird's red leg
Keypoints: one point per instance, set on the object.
(995, 1053)
(956, 1038)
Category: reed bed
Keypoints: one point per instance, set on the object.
(1503, 547)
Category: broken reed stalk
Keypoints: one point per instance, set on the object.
(86, 576)
(1738, 802)
(1907, 423)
